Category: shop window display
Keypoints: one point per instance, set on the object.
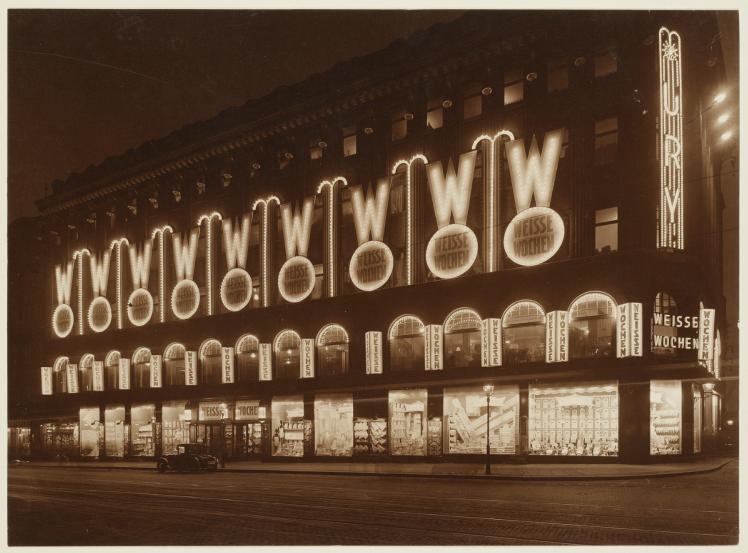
(115, 434)
(592, 322)
(60, 440)
(19, 442)
(174, 365)
(407, 344)
(333, 425)
(435, 429)
(89, 431)
(462, 339)
(407, 424)
(665, 404)
(332, 350)
(142, 426)
(574, 420)
(465, 415)
(523, 333)
(175, 426)
(288, 426)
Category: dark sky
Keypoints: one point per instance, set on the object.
(86, 85)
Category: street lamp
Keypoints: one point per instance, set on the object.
(488, 388)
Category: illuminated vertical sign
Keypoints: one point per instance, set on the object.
(123, 373)
(266, 362)
(140, 302)
(307, 358)
(72, 377)
(296, 276)
(98, 376)
(227, 365)
(706, 334)
(156, 371)
(160, 233)
(434, 348)
(373, 340)
(185, 297)
(670, 231)
(372, 262)
(116, 245)
(490, 345)
(264, 203)
(46, 381)
(629, 330)
(62, 317)
(556, 337)
(99, 310)
(190, 368)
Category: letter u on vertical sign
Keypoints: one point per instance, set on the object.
(227, 365)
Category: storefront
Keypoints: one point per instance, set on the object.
(91, 431)
(214, 427)
(175, 426)
(290, 430)
(142, 430)
(250, 428)
(115, 431)
(407, 422)
(19, 442)
(333, 425)
(666, 424)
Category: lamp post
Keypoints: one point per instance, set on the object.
(223, 435)
(488, 388)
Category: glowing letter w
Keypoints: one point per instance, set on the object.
(236, 241)
(99, 273)
(64, 281)
(140, 264)
(370, 214)
(534, 174)
(185, 254)
(450, 193)
(297, 227)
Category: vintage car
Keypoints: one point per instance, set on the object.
(188, 457)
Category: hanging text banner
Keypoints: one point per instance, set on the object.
(190, 368)
(227, 365)
(490, 342)
(156, 364)
(373, 352)
(434, 358)
(46, 381)
(266, 362)
(307, 358)
(557, 337)
(629, 330)
(706, 334)
(124, 373)
(98, 376)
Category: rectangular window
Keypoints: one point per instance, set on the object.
(665, 405)
(434, 114)
(408, 426)
(333, 425)
(89, 431)
(606, 63)
(349, 141)
(472, 102)
(175, 426)
(142, 423)
(558, 75)
(399, 126)
(315, 152)
(288, 426)
(606, 141)
(606, 230)
(114, 430)
(514, 87)
(574, 420)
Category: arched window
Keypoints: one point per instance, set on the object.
(59, 375)
(174, 364)
(462, 338)
(248, 358)
(85, 373)
(592, 323)
(111, 370)
(332, 350)
(407, 341)
(664, 304)
(210, 362)
(523, 333)
(141, 368)
(287, 359)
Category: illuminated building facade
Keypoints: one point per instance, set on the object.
(336, 270)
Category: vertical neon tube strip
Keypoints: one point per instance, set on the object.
(264, 203)
(330, 269)
(160, 232)
(209, 255)
(78, 256)
(409, 212)
(118, 246)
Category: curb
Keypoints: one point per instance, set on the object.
(525, 478)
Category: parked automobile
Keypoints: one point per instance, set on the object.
(188, 457)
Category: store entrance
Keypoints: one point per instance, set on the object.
(208, 434)
(249, 439)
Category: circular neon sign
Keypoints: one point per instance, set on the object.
(185, 299)
(451, 251)
(296, 279)
(236, 289)
(62, 320)
(534, 236)
(140, 307)
(371, 265)
(99, 314)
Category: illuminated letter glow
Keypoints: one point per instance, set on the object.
(535, 173)
(450, 193)
(370, 213)
(185, 254)
(297, 227)
(236, 241)
(140, 263)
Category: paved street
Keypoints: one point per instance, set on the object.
(55, 506)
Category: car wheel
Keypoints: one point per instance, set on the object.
(162, 466)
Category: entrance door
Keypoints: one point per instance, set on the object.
(248, 439)
(208, 434)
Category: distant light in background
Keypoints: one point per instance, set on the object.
(722, 118)
(719, 98)
(727, 135)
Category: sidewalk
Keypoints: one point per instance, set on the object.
(539, 471)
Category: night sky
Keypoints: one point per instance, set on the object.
(86, 85)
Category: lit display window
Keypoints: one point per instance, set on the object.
(85, 373)
(523, 333)
(407, 422)
(111, 370)
(141, 368)
(664, 304)
(142, 430)
(434, 114)
(606, 230)
(407, 342)
(574, 420)
(592, 324)
(89, 431)
(514, 87)
(465, 413)
(289, 428)
(333, 425)
(349, 141)
(59, 375)
(665, 417)
(175, 426)
(462, 339)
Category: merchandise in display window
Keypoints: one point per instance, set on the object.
(369, 436)
(288, 426)
(435, 436)
(574, 420)
(19, 442)
(665, 406)
(333, 425)
(89, 431)
(142, 426)
(407, 425)
(248, 439)
(465, 413)
(60, 440)
(115, 434)
(175, 426)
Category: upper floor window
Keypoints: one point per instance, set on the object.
(174, 355)
(332, 350)
(247, 358)
(315, 151)
(287, 346)
(434, 114)
(606, 63)
(523, 333)
(111, 370)
(558, 74)
(606, 141)
(514, 87)
(399, 125)
(85, 373)
(407, 342)
(59, 375)
(472, 102)
(349, 141)
(462, 338)
(210, 362)
(606, 230)
(141, 368)
(592, 325)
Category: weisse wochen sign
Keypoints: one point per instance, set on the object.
(185, 297)
(557, 337)
(630, 330)
(98, 376)
(372, 263)
(373, 339)
(236, 286)
(46, 381)
(490, 342)
(140, 307)
(190, 368)
(296, 277)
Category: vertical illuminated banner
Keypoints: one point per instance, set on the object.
(227, 365)
(307, 358)
(434, 348)
(624, 331)
(98, 376)
(124, 373)
(156, 371)
(706, 334)
(72, 377)
(409, 211)
(209, 249)
(264, 204)
(46, 381)
(140, 302)
(266, 362)
(629, 330)
(99, 310)
(556, 337)
(296, 276)
(63, 318)
(372, 262)
(116, 246)
(236, 286)
(190, 368)
(160, 233)
(331, 232)
(373, 352)
(78, 255)
(490, 342)
(670, 231)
